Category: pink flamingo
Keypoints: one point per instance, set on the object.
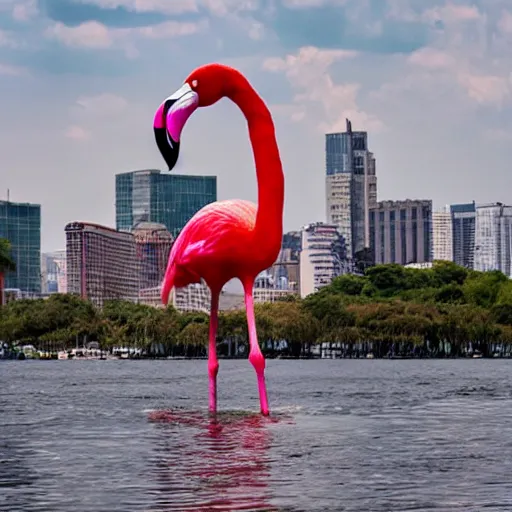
(226, 239)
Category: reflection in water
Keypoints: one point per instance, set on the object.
(206, 463)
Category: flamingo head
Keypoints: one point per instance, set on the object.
(203, 87)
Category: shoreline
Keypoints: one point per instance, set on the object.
(282, 358)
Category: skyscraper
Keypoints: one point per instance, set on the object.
(165, 198)
(53, 272)
(401, 231)
(351, 186)
(153, 243)
(442, 237)
(101, 263)
(322, 256)
(493, 238)
(463, 233)
(20, 223)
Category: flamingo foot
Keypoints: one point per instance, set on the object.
(213, 394)
(258, 361)
(213, 369)
(262, 388)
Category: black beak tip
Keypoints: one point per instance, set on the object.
(169, 149)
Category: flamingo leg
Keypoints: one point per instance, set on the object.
(213, 363)
(255, 356)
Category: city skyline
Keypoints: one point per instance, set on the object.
(428, 83)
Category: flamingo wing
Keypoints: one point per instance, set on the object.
(209, 243)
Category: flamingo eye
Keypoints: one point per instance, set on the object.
(194, 83)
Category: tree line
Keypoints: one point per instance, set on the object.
(390, 311)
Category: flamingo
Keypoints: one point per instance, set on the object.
(232, 238)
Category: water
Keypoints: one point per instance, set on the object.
(372, 435)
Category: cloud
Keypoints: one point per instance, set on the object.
(90, 34)
(95, 35)
(77, 133)
(161, 6)
(431, 58)
(486, 89)
(346, 24)
(308, 73)
(25, 11)
(452, 13)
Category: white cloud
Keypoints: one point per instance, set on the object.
(25, 11)
(486, 89)
(308, 72)
(505, 22)
(453, 13)
(256, 31)
(90, 34)
(76, 132)
(304, 4)
(167, 29)
(216, 7)
(95, 35)
(163, 6)
(431, 58)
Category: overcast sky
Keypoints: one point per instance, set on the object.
(80, 81)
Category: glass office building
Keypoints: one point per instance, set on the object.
(463, 233)
(351, 186)
(20, 223)
(165, 198)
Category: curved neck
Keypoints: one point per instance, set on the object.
(269, 171)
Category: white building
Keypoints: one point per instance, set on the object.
(442, 235)
(321, 257)
(493, 238)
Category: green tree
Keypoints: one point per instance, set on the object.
(7, 264)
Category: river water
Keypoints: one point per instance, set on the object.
(361, 435)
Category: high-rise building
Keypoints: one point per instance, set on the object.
(442, 239)
(493, 238)
(53, 272)
(285, 271)
(351, 186)
(463, 233)
(20, 223)
(322, 257)
(101, 262)
(165, 198)
(153, 243)
(401, 231)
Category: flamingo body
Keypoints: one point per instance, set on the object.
(217, 244)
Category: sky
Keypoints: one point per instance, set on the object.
(80, 80)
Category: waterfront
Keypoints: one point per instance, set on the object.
(347, 435)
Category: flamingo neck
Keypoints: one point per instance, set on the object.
(269, 171)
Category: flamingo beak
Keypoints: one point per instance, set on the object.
(170, 118)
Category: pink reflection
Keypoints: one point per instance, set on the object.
(212, 463)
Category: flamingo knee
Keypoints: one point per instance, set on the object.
(213, 369)
(258, 361)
